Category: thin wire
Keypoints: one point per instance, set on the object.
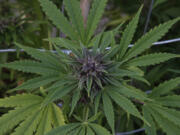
(21, 50)
(167, 41)
(68, 51)
(131, 132)
(149, 16)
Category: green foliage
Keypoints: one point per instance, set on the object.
(132, 92)
(165, 87)
(31, 66)
(108, 110)
(125, 103)
(150, 130)
(92, 83)
(151, 59)
(29, 115)
(128, 34)
(73, 9)
(79, 128)
(158, 112)
(94, 17)
(171, 101)
(58, 18)
(148, 39)
(77, 32)
(37, 82)
(162, 116)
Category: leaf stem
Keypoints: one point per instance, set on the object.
(87, 114)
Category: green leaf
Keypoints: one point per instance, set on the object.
(170, 114)
(96, 102)
(58, 18)
(45, 122)
(148, 39)
(75, 99)
(123, 73)
(137, 75)
(111, 52)
(96, 41)
(63, 130)
(150, 130)
(78, 118)
(57, 116)
(108, 110)
(20, 100)
(174, 71)
(125, 103)
(128, 34)
(94, 17)
(29, 114)
(30, 66)
(37, 82)
(74, 12)
(105, 41)
(63, 56)
(89, 85)
(58, 93)
(75, 131)
(142, 79)
(99, 130)
(151, 59)
(57, 84)
(46, 57)
(116, 30)
(64, 43)
(83, 130)
(170, 128)
(115, 48)
(165, 87)
(171, 101)
(139, 71)
(12, 118)
(157, 71)
(89, 131)
(93, 118)
(28, 127)
(132, 92)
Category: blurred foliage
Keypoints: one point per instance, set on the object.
(24, 23)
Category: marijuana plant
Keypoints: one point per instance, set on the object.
(92, 81)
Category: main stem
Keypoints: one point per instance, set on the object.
(85, 6)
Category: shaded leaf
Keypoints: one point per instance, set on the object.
(125, 103)
(63, 130)
(171, 101)
(75, 99)
(165, 87)
(148, 39)
(99, 130)
(74, 12)
(37, 82)
(30, 66)
(58, 18)
(94, 17)
(128, 34)
(151, 59)
(150, 130)
(108, 110)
